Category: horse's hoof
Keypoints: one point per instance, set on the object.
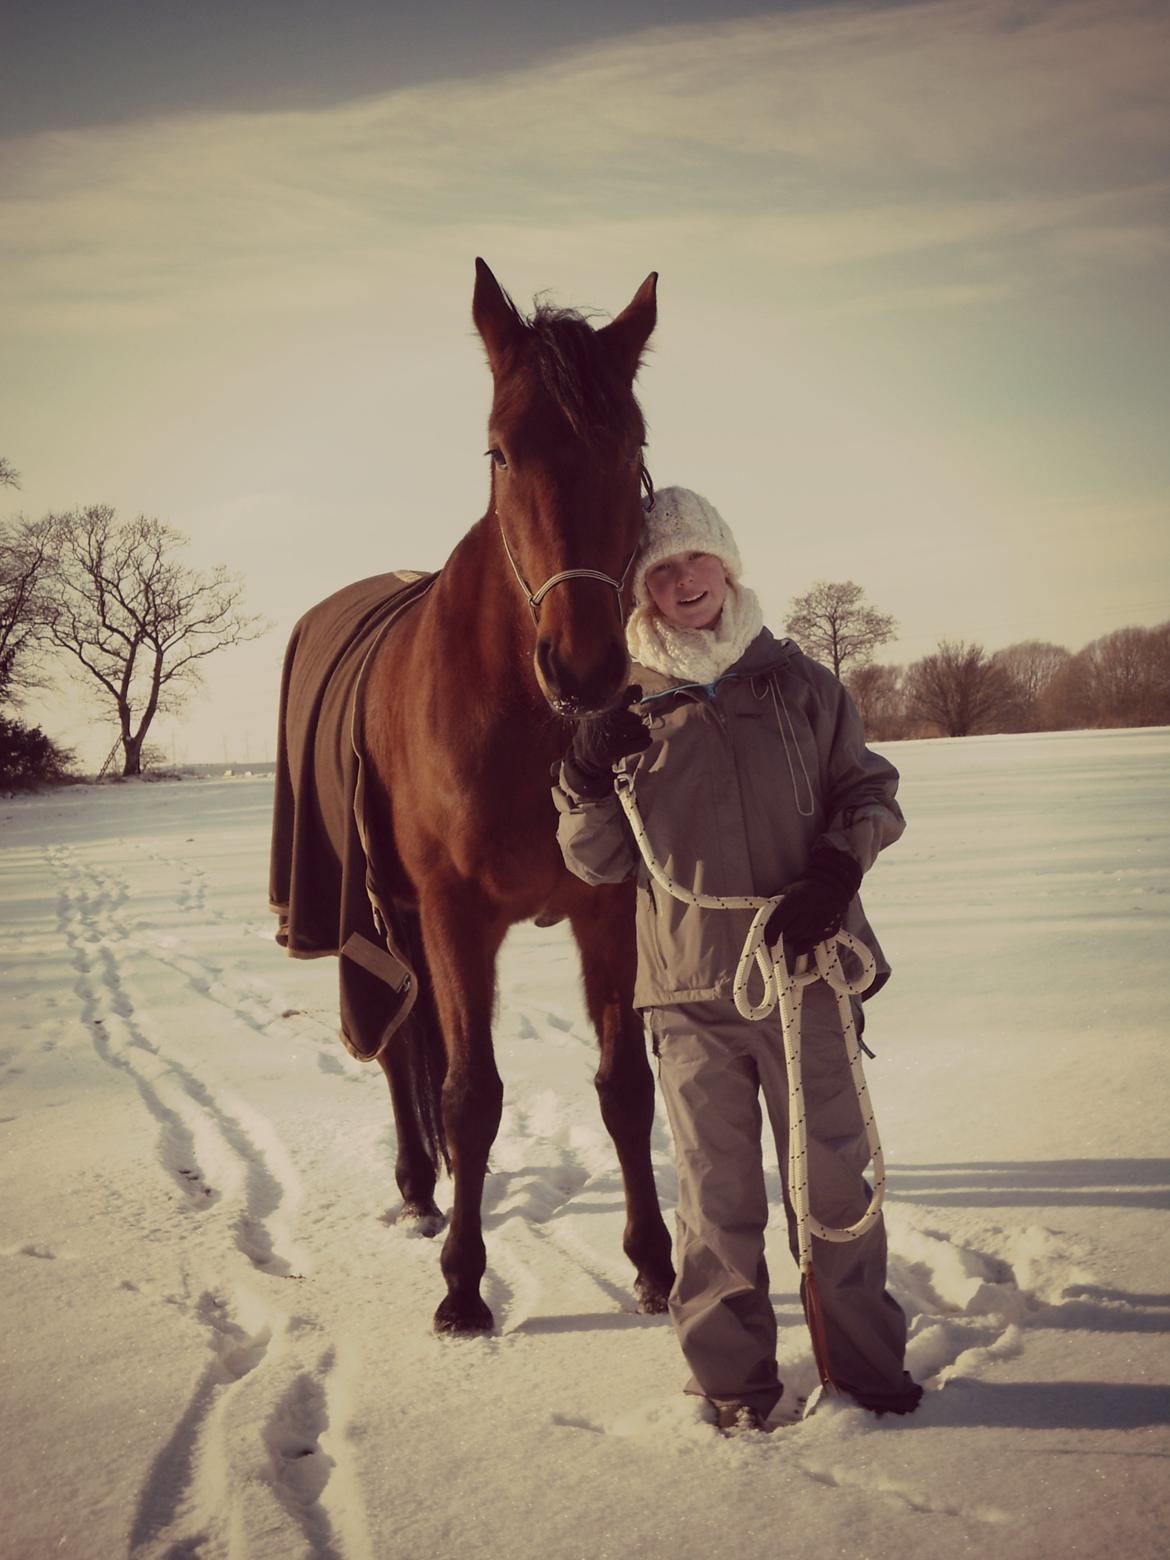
(463, 1318)
(418, 1219)
(652, 1301)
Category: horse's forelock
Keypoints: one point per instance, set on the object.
(580, 376)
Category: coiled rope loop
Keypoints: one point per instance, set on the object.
(785, 989)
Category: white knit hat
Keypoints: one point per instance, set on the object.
(682, 521)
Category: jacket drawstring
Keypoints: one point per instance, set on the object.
(805, 811)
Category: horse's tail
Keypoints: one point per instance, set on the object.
(421, 1036)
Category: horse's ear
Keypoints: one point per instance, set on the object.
(494, 314)
(626, 337)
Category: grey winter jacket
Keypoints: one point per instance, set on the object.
(741, 780)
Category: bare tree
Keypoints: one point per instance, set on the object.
(877, 692)
(1121, 679)
(1032, 667)
(139, 622)
(1129, 676)
(25, 555)
(959, 690)
(27, 756)
(1032, 664)
(1159, 653)
(835, 624)
(1070, 701)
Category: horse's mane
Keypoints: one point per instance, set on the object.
(580, 376)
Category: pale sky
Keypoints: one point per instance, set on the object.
(914, 322)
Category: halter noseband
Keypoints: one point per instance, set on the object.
(535, 597)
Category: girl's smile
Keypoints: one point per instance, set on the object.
(688, 588)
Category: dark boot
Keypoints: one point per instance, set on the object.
(903, 1401)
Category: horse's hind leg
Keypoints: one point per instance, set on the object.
(603, 927)
(462, 934)
(413, 1062)
(415, 1169)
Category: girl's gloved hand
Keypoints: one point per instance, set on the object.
(813, 908)
(600, 741)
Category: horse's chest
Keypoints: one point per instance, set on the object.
(496, 832)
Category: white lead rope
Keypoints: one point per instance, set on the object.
(785, 990)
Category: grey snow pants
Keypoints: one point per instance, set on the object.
(713, 1065)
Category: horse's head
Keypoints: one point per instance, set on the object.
(565, 440)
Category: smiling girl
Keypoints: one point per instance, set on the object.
(748, 764)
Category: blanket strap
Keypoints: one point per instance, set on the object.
(379, 961)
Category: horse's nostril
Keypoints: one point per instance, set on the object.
(546, 664)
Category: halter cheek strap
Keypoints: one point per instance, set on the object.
(535, 597)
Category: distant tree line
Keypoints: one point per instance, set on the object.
(114, 600)
(1122, 679)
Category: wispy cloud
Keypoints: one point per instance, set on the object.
(986, 141)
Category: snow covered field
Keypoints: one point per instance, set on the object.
(216, 1341)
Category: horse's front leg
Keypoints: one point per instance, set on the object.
(462, 934)
(603, 924)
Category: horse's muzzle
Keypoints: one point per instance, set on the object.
(574, 691)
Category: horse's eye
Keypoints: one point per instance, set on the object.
(497, 456)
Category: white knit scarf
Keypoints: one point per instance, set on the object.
(695, 654)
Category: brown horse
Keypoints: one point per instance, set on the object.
(470, 701)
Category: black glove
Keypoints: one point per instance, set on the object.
(600, 740)
(813, 908)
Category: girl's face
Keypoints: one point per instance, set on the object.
(688, 588)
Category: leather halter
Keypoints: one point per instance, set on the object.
(535, 597)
